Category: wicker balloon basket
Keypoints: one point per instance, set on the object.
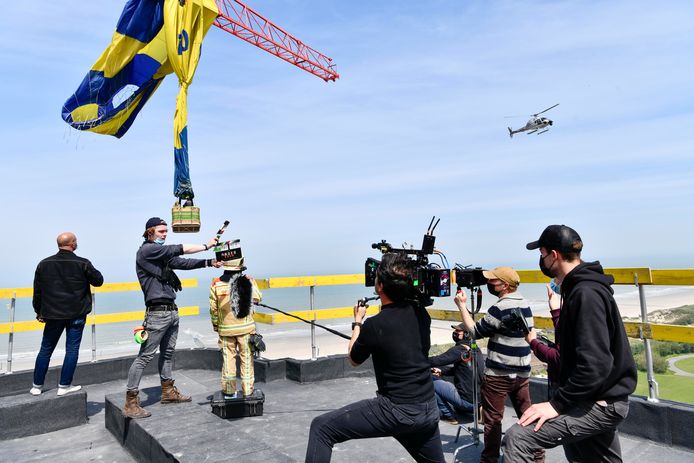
(185, 219)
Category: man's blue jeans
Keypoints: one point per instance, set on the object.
(51, 335)
(448, 399)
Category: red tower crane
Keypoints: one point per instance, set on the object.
(247, 24)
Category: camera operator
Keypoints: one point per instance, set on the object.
(507, 367)
(597, 370)
(457, 398)
(398, 339)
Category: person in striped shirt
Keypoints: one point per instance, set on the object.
(507, 367)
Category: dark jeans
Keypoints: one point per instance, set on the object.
(415, 426)
(494, 392)
(448, 399)
(51, 335)
(162, 328)
(588, 433)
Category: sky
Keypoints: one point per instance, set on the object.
(311, 173)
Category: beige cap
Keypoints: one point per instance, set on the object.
(505, 274)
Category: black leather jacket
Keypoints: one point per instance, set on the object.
(62, 286)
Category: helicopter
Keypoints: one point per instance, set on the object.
(534, 124)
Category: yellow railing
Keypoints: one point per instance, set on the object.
(98, 319)
(623, 276)
(20, 293)
(639, 276)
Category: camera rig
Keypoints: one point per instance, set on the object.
(428, 279)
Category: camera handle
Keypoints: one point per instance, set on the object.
(474, 308)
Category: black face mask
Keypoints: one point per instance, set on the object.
(492, 291)
(546, 270)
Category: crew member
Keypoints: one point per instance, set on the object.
(231, 310)
(457, 398)
(62, 300)
(507, 367)
(398, 339)
(154, 263)
(597, 369)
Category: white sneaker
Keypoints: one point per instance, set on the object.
(62, 390)
(35, 390)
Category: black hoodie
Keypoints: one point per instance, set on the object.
(596, 360)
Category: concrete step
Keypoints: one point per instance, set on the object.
(24, 415)
(185, 432)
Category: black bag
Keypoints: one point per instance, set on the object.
(257, 344)
(238, 407)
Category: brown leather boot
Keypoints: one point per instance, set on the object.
(170, 394)
(132, 407)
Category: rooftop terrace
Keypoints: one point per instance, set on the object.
(296, 392)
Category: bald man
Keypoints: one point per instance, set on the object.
(62, 300)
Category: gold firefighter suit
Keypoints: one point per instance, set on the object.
(233, 335)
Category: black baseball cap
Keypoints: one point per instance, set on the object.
(154, 221)
(558, 238)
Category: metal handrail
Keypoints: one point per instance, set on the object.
(638, 276)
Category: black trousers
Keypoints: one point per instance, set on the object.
(415, 426)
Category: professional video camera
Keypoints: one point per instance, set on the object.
(428, 279)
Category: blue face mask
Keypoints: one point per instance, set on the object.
(556, 287)
(159, 241)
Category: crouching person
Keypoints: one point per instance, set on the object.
(398, 340)
(231, 309)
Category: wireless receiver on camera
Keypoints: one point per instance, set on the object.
(429, 238)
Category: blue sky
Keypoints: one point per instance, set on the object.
(311, 173)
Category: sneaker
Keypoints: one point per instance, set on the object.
(230, 396)
(36, 390)
(448, 420)
(62, 390)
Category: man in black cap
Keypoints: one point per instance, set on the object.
(154, 264)
(597, 371)
(456, 399)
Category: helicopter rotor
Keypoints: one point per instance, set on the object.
(537, 114)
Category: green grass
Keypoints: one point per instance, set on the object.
(686, 365)
(671, 387)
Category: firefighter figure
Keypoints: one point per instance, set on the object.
(231, 309)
